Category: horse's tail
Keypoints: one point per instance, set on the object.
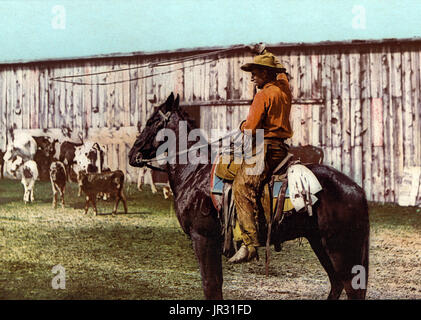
(366, 244)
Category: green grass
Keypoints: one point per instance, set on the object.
(141, 255)
(121, 257)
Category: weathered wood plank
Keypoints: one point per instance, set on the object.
(222, 78)
(396, 87)
(87, 99)
(25, 105)
(3, 109)
(294, 74)
(336, 75)
(60, 96)
(356, 141)
(19, 94)
(78, 107)
(336, 134)
(303, 82)
(326, 119)
(407, 118)
(51, 99)
(316, 139)
(365, 110)
(416, 83)
(43, 98)
(35, 98)
(389, 182)
(345, 115)
(316, 76)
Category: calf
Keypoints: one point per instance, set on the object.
(44, 155)
(58, 179)
(67, 157)
(28, 172)
(106, 182)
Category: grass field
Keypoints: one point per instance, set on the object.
(145, 255)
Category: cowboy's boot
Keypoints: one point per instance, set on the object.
(245, 254)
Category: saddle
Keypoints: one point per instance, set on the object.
(290, 190)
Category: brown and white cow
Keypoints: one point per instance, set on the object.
(67, 157)
(44, 155)
(27, 171)
(106, 182)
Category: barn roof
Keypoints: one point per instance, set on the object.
(239, 47)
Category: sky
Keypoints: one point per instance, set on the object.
(48, 29)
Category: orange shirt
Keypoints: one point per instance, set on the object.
(270, 110)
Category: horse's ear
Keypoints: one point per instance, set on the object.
(176, 102)
(170, 101)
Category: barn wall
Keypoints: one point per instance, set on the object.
(360, 104)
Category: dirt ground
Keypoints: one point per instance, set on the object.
(394, 269)
(394, 272)
(145, 255)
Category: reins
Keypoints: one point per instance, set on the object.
(165, 117)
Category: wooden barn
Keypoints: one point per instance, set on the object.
(360, 101)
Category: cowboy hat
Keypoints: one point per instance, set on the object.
(266, 60)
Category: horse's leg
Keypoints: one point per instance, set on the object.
(345, 256)
(358, 290)
(336, 285)
(210, 262)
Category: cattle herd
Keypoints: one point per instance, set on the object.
(30, 158)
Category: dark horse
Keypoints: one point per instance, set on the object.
(338, 230)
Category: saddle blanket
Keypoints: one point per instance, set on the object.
(218, 188)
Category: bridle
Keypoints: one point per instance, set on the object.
(165, 119)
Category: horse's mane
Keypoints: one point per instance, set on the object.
(191, 123)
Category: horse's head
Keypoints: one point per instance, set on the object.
(146, 144)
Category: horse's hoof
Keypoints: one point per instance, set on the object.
(278, 247)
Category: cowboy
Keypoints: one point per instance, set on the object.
(269, 111)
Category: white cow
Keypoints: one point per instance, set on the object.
(89, 157)
(24, 146)
(27, 171)
(145, 177)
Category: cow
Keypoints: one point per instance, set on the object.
(40, 149)
(23, 146)
(67, 157)
(89, 157)
(27, 171)
(44, 155)
(58, 178)
(149, 176)
(106, 182)
(307, 154)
